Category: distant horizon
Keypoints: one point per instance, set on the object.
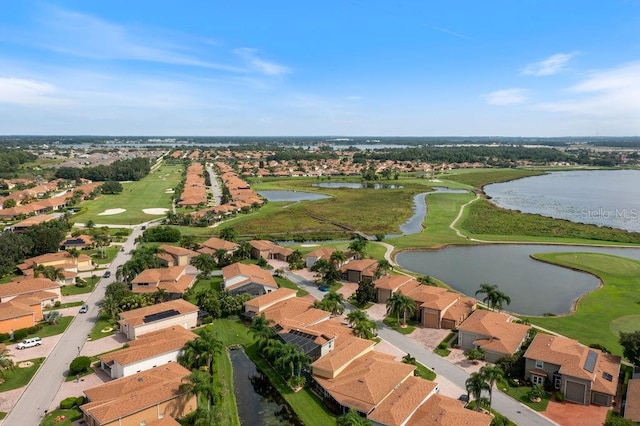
(314, 136)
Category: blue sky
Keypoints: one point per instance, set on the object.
(407, 68)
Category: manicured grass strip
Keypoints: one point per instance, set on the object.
(602, 314)
(53, 330)
(392, 322)
(103, 322)
(63, 305)
(110, 253)
(283, 282)
(424, 372)
(521, 394)
(70, 416)
(69, 290)
(19, 377)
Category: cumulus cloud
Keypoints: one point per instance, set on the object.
(261, 65)
(506, 97)
(554, 64)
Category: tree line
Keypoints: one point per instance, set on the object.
(119, 170)
(10, 159)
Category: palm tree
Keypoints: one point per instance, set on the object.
(52, 317)
(204, 263)
(498, 298)
(50, 272)
(365, 329)
(399, 303)
(359, 245)
(160, 295)
(201, 351)
(489, 291)
(74, 253)
(244, 249)
(201, 385)
(6, 363)
(408, 359)
(189, 242)
(475, 384)
(228, 233)
(352, 418)
(337, 258)
(427, 280)
(356, 316)
(332, 302)
(293, 357)
(222, 258)
(262, 330)
(491, 374)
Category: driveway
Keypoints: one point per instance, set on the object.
(48, 343)
(569, 414)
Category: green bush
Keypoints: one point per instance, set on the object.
(57, 304)
(32, 330)
(207, 320)
(79, 365)
(559, 396)
(80, 400)
(19, 335)
(4, 337)
(68, 403)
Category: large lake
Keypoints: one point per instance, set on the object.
(287, 195)
(599, 197)
(534, 287)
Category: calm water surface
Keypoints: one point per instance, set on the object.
(358, 185)
(285, 195)
(259, 403)
(599, 197)
(534, 287)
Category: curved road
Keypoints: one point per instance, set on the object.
(30, 408)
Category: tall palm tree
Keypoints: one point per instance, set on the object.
(332, 302)
(475, 385)
(262, 330)
(359, 246)
(291, 356)
(6, 363)
(201, 351)
(201, 385)
(489, 291)
(244, 249)
(365, 329)
(356, 316)
(399, 303)
(204, 263)
(491, 374)
(337, 258)
(75, 254)
(50, 272)
(499, 298)
(222, 258)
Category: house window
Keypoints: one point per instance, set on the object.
(539, 364)
(537, 380)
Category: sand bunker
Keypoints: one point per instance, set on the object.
(157, 211)
(110, 212)
(309, 245)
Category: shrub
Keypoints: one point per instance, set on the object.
(57, 304)
(4, 337)
(559, 396)
(499, 420)
(19, 335)
(207, 320)
(599, 346)
(81, 283)
(68, 403)
(33, 330)
(514, 383)
(80, 400)
(475, 354)
(79, 365)
(442, 345)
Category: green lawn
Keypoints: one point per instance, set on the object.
(602, 314)
(53, 330)
(68, 290)
(103, 322)
(425, 372)
(392, 322)
(283, 282)
(19, 377)
(70, 417)
(521, 394)
(110, 252)
(149, 192)
(63, 305)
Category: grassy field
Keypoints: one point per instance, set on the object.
(602, 314)
(102, 323)
(19, 377)
(146, 193)
(68, 290)
(70, 417)
(283, 282)
(477, 178)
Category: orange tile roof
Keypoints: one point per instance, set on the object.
(360, 265)
(219, 244)
(23, 285)
(123, 397)
(502, 336)
(251, 274)
(442, 411)
(632, 409)
(571, 356)
(136, 316)
(13, 308)
(156, 275)
(396, 409)
(322, 253)
(367, 381)
(177, 251)
(343, 354)
(269, 299)
(286, 309)
(393, 282)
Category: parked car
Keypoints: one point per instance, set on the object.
(144, 227)
(84, 308)
(107, 274)
(29, 343)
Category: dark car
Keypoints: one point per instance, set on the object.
(107, 274)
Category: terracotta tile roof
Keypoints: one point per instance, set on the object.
(367, 381)
(150, 345)
(403, 402)
(13, 308)
(322, 253)
(35, 220)
(360, 265)
(460, 308)
(571, 356)
(239, 274)
(156, 275)
(123, 397)
(37, 296)
(442, 411)
(286, 309)
(342, 355)
(269, 299)
(502, 336)
(177, 251)
(53, 258)
(136, 316)
(165, 421)
(393, 282)
(24, 285)
(632, 409)
(219, 244)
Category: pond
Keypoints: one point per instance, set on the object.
(534, 287)
(287, 195)
(599, 197)
(358, 185)
(259, 403)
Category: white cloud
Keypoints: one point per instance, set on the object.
(22, 91)
(549, 66)
(261, 65)
(506, 97)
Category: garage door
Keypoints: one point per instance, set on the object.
(575, 392)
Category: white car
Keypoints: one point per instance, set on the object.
(29, 343)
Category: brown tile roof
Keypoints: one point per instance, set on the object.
(251, 273)
(269, 299)
(136, 316)
(177, 251)
(393, 282)
(502, 336)
(632, 409)
(367, 381)
(35, 220)
(47, 258)
(442, 411)
(165, 421)
(13, 308)
(360, 265)
(23, 285)
(150, 345)
(342, 355)
(571, 356)
(123, 397)
(287, 309)
(403, 402)
(322, 253)
(460, 308)
(156, 275)
(219, 244)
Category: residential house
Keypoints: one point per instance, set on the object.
(268, 250)
(321, 253)
(632, 404)
(493, 332)
(585, 375)
(20, 312)
(213, 244)
(138, 322)
(80, 242)
(258, 305)
(147, 351)
(23, 225)
(439, 410)
(48, 291)
(140, 399)
(241, 278)
(387, 285)
(175, 256)
(437, 307)
(358, 270)
(174, 280)
(69, 264)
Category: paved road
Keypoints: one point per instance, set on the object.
(38, 395)
(215, 188)
(507, 406)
